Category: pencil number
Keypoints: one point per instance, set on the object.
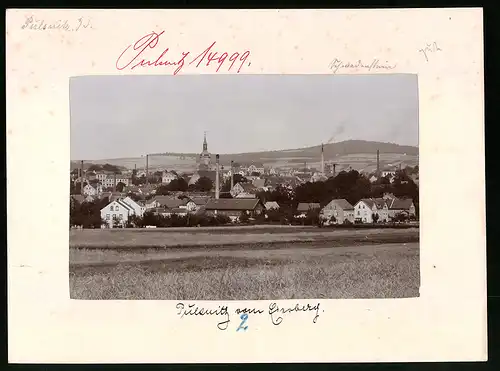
(243, 318)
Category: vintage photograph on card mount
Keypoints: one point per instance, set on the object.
(244, 187)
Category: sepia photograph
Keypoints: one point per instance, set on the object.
(244, 187)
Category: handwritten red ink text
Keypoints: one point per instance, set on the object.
(136, 56)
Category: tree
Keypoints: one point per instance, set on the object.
(375, 218)
(255, 173)
(163, 190)
(178, 184)
(204, 184)
(120, 186)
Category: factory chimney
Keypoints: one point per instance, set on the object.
(378, 163)
(147, 169)
(322, 160)
(217, 177)
(81, 178)
(232, 175)
(114, 182)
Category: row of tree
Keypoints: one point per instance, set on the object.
(352, 186)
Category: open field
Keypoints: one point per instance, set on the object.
(231, 236)
(302, 263)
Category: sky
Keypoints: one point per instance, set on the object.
(130, 116)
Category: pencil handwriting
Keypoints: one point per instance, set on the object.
(338, 64)
(429, 48)
(136, 55)
(32, 23)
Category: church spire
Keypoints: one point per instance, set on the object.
(205, 146)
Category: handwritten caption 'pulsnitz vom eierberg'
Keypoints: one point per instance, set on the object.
(139, 54)
(223, 314)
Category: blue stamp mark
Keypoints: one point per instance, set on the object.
(244, 318)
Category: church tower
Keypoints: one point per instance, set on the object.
(205, 155)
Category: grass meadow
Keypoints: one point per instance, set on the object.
(243, 264)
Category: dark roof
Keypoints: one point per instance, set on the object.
(401, 204)
(380, 202)
(232, 204)
(168, 201)
(368, 202)
(304, 206)
(343, 203)
(248, 187)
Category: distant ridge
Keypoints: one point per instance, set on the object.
(341, 148)
(332, 151)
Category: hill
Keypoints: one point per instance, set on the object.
(358, 154)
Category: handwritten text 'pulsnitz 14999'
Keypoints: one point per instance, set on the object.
(375, 64)
(136, 55)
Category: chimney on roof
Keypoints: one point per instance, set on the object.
(232, 175)
(378, 163)
(217, 177)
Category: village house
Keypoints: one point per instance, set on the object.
(169, 212)
(89, 190)
(233, 207)
(117, 213)
(139, 209)
(256, 168)
(401, 206)
(196, 203)
(271, 205)
(111, 181)
(243, 190)
(340, 209)
(168, 176)
(167, 202)
(304, 207)
(366, 208)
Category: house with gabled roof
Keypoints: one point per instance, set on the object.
(168, 202)
(369, 210)
(233, 207)
(117, 213)
(401, 206)
(243, 190)
(304, 207)
(340, 209)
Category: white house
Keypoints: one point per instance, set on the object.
(340, 209)
(366, 208)
(88, 190)
(167, 177)
(139, 210)
(247, 190)
(401, 206)
(111, 181)
(118, 211)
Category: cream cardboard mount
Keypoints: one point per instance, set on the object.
(444, 47)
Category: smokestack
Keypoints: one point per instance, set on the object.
(114, 182)
(334, 170)
(378, 163)
(216, 177)
(232, 175)
(147, 169)
(322, 160)
(81, 178)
